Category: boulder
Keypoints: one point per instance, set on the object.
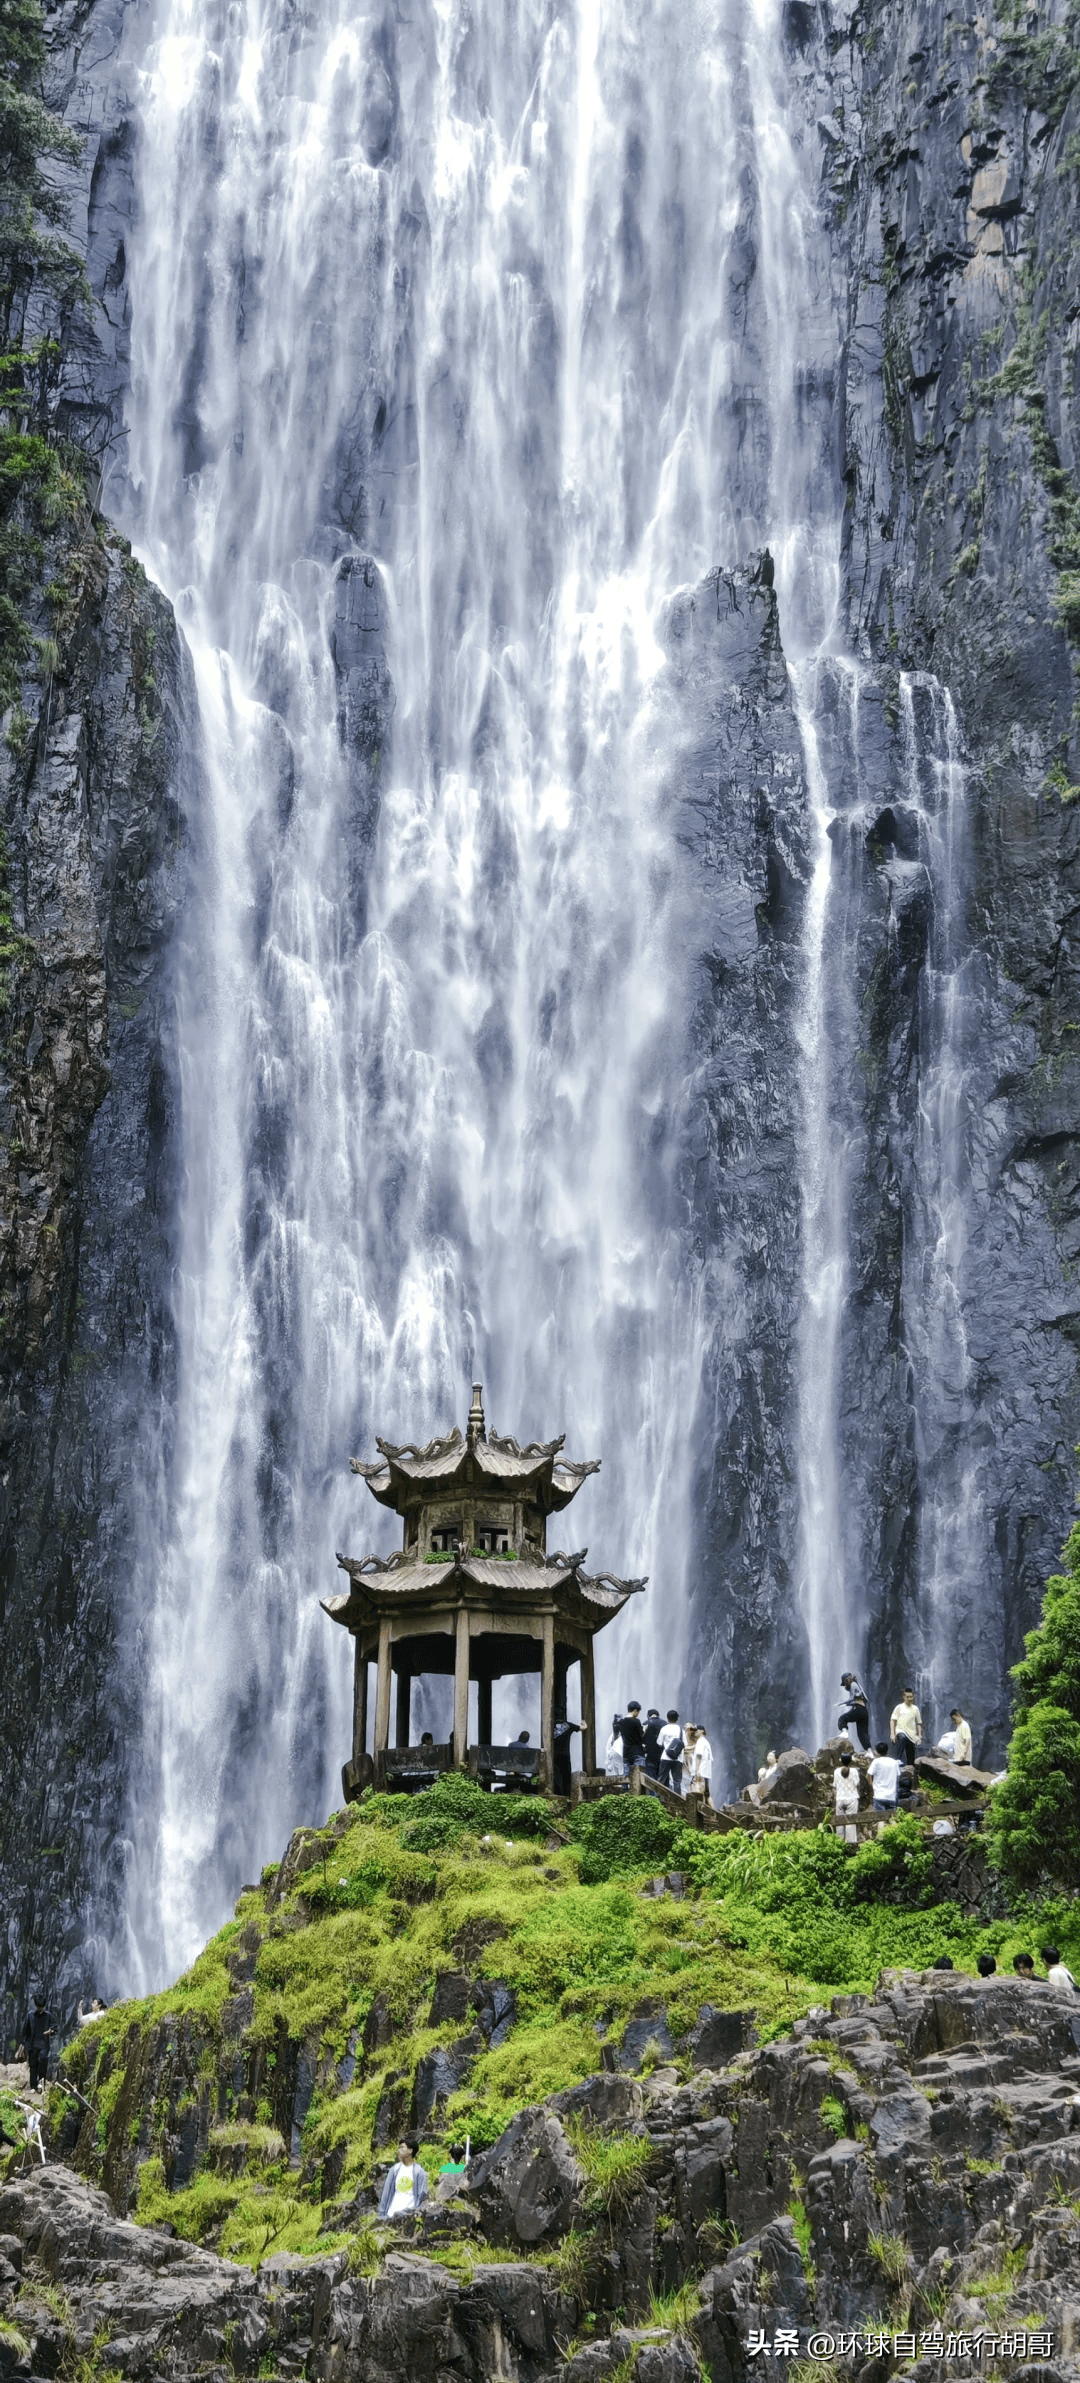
(528, 2186)
(792, 1781)
(717, 2036)
(959, 1778)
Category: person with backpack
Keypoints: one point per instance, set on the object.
(671, 1754)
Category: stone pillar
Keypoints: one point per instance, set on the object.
(547, 1704)
(461, 1688)
(483, 1710)
(588, 1710)
(404, 1702)
(359, 1700)
(382, 1700)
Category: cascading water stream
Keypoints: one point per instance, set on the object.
(526, 302)
(952, 1447)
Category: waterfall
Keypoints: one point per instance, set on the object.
(954, 1444)
(459, 344)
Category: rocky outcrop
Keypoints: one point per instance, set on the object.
(904, 2164)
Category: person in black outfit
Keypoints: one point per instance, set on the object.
(633, 1737)
(858, 1709)
(37, 2034)
(653, 1727)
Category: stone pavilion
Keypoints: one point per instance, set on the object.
(472, 1593)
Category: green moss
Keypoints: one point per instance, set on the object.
(799, 2215)
(622, 1835)
(833, 2114)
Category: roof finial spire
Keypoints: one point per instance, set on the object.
(476, 1429)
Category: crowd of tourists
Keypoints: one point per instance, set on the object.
(677, 1754)
(891, 1770)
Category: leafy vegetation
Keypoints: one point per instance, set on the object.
(623, 1835)
(1035, 1826)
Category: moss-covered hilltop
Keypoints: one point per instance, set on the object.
(446, 1961)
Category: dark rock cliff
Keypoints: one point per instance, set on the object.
(95, 858)
(949, 150)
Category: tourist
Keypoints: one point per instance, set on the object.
(1023, 1965)
(986, 1965)
(96, 2011)
(1057, 1976)
(523, 1737)
(653, 1726)
(905, 1728)
(885, 1780)
(701, 1771)
(845, 1781)
(613, 1762)
(633, 1738)
(943, 1962)
(38, 2028)
(961, 1736)
(671, 1754)
(858, 1709)
(689, 1735)
(560, 1761)
(405, 2188)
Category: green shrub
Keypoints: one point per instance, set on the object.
(624, 1834)
(1035, 1812)
(896, 1867)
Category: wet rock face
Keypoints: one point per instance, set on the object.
(945, 168)
(96, 856)
(948, 183)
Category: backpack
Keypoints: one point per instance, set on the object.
(673, 1751)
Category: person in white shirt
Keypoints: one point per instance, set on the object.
(613, 1761)
(846, 1798)
(701, 1773)
(405, 2188)
(946, 1744)
(962, 1745)
(905, 1727)
(671, 1750)
(1057, 1976)
(885, 1779)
